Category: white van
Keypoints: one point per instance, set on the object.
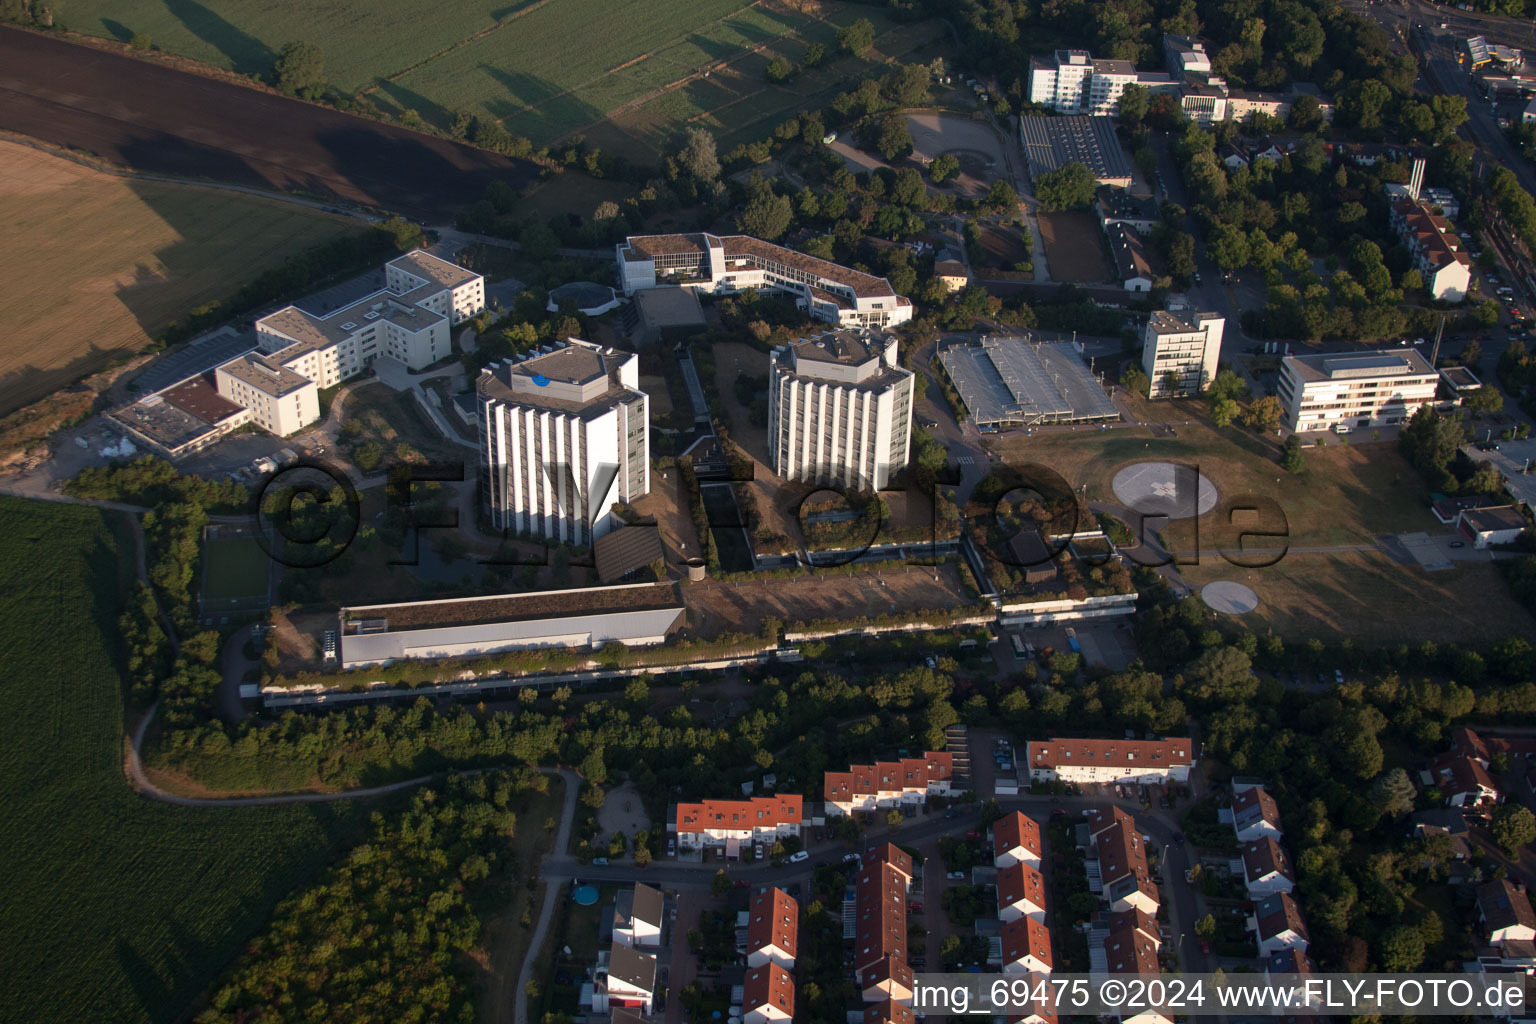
(1341, 428)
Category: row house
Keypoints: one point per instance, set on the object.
(773, 929)
(1026, 947)
(627, 979)
(637, 915)
(1255, 815)
(1436, 249)
(727, 822)
(768, 995)
(1016, 840)
(1277, 923)
(880, 895)
(1020, 893)
(868, 787)
(1122, 860)
(889, 978)
(1505, 912)
(1131, 947)
(888, 1011)
(1266, 868)
(1147, 762)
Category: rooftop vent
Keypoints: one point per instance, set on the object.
(349, 325)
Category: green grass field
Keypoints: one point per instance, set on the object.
(98, 264)
(234, 568)
(115, 907)
(544, 68)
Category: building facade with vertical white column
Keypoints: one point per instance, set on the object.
(840, 410)
(1186, 345)
(563, 435)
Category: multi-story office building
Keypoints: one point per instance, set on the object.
(1185, 345)
(723, 264)
(839, 410)
(278, 399)
(1350, 390)
(563, 436)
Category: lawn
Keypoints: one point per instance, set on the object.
(1346, 494)
(98, 264)
(234, 570)
(120, 908)
(1374, 601)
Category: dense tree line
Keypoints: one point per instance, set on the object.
(378, 936)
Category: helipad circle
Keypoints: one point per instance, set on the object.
(1165, 489)
(1229, 597)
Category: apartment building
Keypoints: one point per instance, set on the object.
(1147, 762)
(280, 400)
(1436, 250)
(840, 410)
(729, 823)
(1348, 391)
(773, 929)
(725, 264)
(1180, 350)
(869, 787)
(1016, 840)
(563, 436)
(1075, 82)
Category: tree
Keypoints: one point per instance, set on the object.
(893, 817)
(814, 55)
(1263, 414)
(1392, 793)
(720, 885)
(1223, 412)
(1306, 114)
(779, 69)
(299, 69)
(943, 168)
(894, 140)
(857, 37)
(697, 156)
(642, 853)
(1228, 247)
(1291, 459)
(141, 41)
(766, 215)
(1206, 927)
(1133, 105)
(1402, 949)
(1134, 380)
(1513, 827)
(1066, 187)
(1227, 384)
(1484, 399)
(1172, 384)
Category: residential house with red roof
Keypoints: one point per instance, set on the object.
(869, 787)
(1147, 762)
(1016, 840)
(773, 929)
(768, 996)
(726, 822)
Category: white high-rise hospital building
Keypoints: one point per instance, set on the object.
(563, 436)
(840, 410)
(1186, 345)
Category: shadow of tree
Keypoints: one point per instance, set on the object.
(246, 54)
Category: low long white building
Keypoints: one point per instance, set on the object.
(1352, 390)
(725, 264)
(840, 410)
(635, 615)
(563, 436)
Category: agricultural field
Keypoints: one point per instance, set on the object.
(97, 264)
(126, 908)
(648, 69)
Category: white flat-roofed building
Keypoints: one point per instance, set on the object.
(726, 264)
(636, 615)
(1186, 345)
(280, 400)
(1186, 54)
(1147, 762)
(1355, 389)
(563, 436)
(408, 320)
(839, 410)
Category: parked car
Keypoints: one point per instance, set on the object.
(850, 858)
(956, 876)
(1458, 544)
(1205, 947)
(1338, 676)
(601, 862)
(799, 857)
